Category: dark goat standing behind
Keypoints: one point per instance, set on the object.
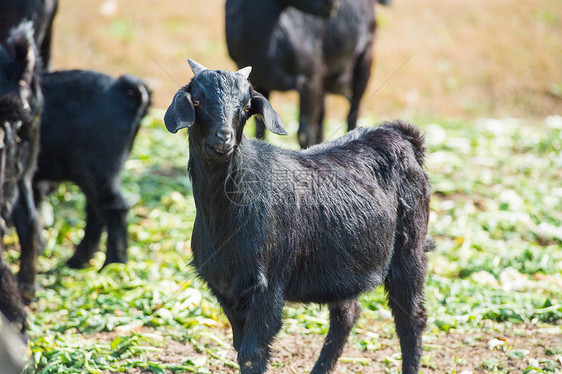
(322, 225)
(21, 103)
(298, 45)
(88, 128)
(40, 12)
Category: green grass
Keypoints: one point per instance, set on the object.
(496, 215)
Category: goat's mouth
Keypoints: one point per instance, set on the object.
(219, 152)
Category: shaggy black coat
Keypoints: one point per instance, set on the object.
(322, 225)
(312, 46)
(21, 104)
(40, 12)
(88, 127)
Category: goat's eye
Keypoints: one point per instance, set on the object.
(247, 108)
(195, 102)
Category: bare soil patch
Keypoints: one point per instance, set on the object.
(469, 352)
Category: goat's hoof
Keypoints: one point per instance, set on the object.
(113, 261)
(77, 263)
(27, 291)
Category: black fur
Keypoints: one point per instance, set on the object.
(40, 12)
(312, 46)
(21, 104)
(88, 127)
(321, 225)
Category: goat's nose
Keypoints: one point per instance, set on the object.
(225, 135)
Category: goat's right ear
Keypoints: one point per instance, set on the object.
(180, 113)
(261, 107)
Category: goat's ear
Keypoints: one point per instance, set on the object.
(263, 109)
(180, 113)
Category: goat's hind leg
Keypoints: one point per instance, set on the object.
(343, 316)
(311, 106)
(361, 74)
(405, 285)
(114, 213)
(90, 242)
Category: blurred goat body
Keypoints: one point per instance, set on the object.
(312, 46)
(21, 103)
(88, 127)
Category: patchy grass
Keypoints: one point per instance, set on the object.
(493, 290)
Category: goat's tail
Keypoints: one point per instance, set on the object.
(413, 135)
(141, 93)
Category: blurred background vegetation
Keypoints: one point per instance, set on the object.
(437, 57)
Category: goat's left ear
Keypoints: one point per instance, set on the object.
(262, 108)
(180, 113)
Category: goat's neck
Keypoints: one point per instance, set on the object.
(209, 180)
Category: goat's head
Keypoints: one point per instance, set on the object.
(20, 107)
(215, 106)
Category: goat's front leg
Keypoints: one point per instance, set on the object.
(236, 320)
(114, 211)
(10, 300)
(27, 226)
(89, 244)
(262, 324)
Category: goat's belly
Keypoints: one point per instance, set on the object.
(330, 286)
(336, 277)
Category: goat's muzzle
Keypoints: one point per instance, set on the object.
(221, 144)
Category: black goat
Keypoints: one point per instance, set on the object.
(301, 45)
(40, 12)
(321, 225)
(88, 127)
(21, 103)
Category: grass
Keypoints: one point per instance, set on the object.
(496, 215)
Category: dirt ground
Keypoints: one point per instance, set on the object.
(433, 58)
(474, 351)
